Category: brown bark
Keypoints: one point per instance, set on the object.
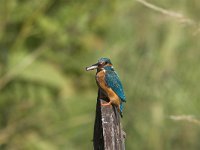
(108, 133)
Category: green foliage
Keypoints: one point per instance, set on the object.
(47, 100)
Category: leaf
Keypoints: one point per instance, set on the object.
(44, 73)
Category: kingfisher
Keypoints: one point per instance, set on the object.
(109, 83)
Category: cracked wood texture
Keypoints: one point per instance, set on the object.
(108, 133)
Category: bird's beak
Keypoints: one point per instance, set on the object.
(95, 66)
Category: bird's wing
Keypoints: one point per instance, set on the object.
(113, 81)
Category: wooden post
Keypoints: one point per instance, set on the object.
(108, 133)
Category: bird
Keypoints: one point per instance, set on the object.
(109, 83)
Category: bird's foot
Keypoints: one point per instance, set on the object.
(106, 104)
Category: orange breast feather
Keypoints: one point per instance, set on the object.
(100, 77)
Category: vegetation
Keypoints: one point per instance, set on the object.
(47, 100)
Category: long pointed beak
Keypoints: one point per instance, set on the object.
(95, 66)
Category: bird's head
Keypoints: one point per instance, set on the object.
(102, 62)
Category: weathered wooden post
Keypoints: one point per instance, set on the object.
(108, 133)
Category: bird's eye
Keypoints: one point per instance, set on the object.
(106, 63)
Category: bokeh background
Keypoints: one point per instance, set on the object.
(47, 99)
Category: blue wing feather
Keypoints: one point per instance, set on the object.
(113, 81)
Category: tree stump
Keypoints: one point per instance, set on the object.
(108, 133)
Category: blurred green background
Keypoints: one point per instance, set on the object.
(47, 99)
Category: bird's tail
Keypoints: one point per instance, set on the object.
(121, 107)
(121, 114)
